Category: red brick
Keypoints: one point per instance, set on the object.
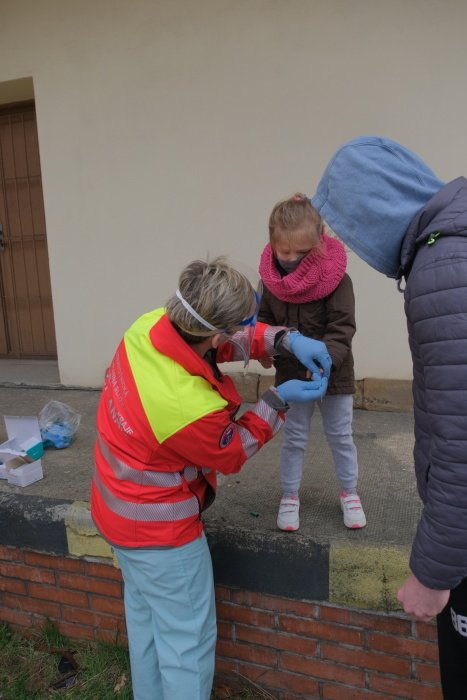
(223, 593)
(408, 690)
(10, 554)
(13, 585)
(227, 667)
(34, 605)
(28, 573)
(427, 673)
(426, 631)
(383, 623)
(75, 631)
(321, 669)
(110, 588)
(340, 692)
(60, 595)
(18, 618)
(366, 659)
(272, 680)
(108, 622)
(292, 696)
(228, 612)
(114, 606)
(321, 630)
(107, 636)
(426, 651)
(48, 561)
(268, 602)
(288, 642)
(85, 617)
(225, 630)
(122, 627)
(102, 571)
(257, 655)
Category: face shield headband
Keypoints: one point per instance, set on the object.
(196, 315)
(250, 321)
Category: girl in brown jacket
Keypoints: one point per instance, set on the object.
(306, 287)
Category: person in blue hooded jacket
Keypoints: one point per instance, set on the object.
(389, 207)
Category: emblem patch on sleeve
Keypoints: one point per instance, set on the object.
(227, 435)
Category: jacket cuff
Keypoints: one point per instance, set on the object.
(271, 334)
(281, 342)
(273, 399)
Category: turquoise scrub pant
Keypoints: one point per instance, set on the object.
(171, 620)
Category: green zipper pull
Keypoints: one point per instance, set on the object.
(433, 237)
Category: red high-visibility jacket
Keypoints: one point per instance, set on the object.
(165, 426)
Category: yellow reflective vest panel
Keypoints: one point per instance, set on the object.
(165, 426)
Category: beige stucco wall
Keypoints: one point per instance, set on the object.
(169, 128)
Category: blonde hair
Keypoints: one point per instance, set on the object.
(220, 294)
(292, 214)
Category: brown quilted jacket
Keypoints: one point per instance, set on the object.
(331, 319)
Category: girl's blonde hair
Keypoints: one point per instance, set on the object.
(220, 294)
(292, 214)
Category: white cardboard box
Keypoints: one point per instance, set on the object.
(20, 455)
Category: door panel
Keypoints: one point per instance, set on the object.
(26, 313)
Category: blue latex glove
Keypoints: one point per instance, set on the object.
(311, 353)
(297, 390)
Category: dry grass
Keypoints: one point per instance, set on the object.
(47, 665)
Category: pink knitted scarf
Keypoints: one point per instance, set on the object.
(317, 275)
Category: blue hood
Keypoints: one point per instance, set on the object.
(369, 193)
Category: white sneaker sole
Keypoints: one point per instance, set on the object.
(355, 524)
(288, 527)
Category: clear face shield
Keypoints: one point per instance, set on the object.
(243, 338)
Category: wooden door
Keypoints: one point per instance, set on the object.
(26, 313)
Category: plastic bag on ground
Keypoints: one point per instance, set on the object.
(58, 424)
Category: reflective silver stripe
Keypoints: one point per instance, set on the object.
(189, 472)
(147, 512)
(249, 443)
(269, 338)
(268, 414)
(146, 477)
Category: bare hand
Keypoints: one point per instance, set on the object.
(419, 601)
(266, 362)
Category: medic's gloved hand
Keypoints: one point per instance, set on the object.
(296, 390)
(311, 353)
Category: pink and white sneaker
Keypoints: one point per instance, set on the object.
(354, 517)
(288, 515)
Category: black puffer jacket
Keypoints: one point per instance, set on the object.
(436, 309)
(331, 319)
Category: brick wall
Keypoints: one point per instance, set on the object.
(295, 649)
(83, 597)
(308, 650)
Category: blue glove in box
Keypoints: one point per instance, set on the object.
(20, 455)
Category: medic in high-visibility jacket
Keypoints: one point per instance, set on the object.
(167, 421)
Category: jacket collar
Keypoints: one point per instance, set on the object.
(166, 340)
